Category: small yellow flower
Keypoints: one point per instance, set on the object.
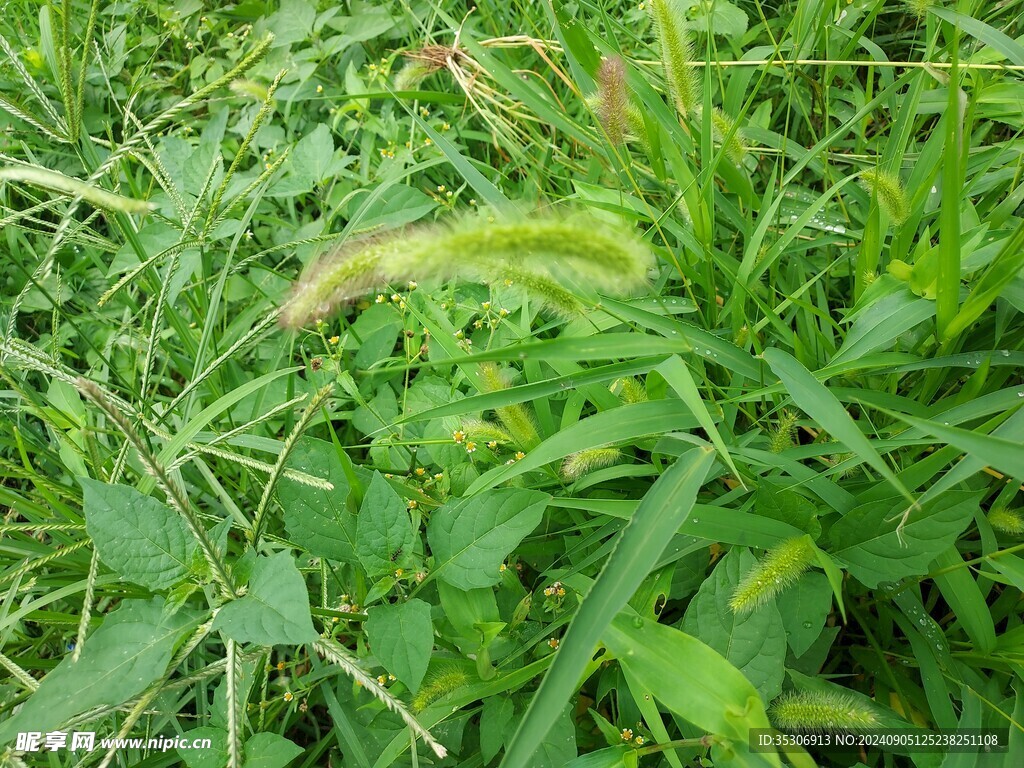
(280, 666)
(319, 89)
(288, 696)
(445, 127)
(334, 339)
(460, 334)
(396, 298)
(520, 455)
(485, 305)
(380, 298)
(391, 678)
(553, 642)
(458, 435)
(382, 679)
(502, 568)
(427, 142)
(492, 444)
(413, 285)
(627, 734)
(413, 504)
(472, 201)
(399, 572)
(439, 476)
(478, 324)
(441, 187)
(639, 741)
(470, 447)
(503, 312)
(420, 471)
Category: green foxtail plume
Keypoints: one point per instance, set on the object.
(515, 417)
(723, 127)
(613, 104)
(446, 679)
(781, 437)
(777, 570)
(484, 431)
(630, 390)
(532, 253)
(676, 56)
(1006, 520)
(578, 464)
(888, 190)
(821, 711)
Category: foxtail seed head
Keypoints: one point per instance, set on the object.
(579, 464)
(888, 190)
(529, 252)
(777, 570)
(446, 679)
(821, 711)
(781, 438)
(1006, 520)
(613, 99)
(676, 56)
(730, 139)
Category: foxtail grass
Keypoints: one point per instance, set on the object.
(818, 711)
(532, 253)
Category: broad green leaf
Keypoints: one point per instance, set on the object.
(816, 401)
(275, 610)
(754, 642)
(780, 503)
(720, 17)
(130, 650)
(804, 607)
(216, 756)
(495, 721)
(384, 534)
(137, 536)
(558, 746)
(470, 537)
(317, 520)
(401, 636)
(866, 541)
(311, 157)
(269, 750)
(687, 676)
(640, 544)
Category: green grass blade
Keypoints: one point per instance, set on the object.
(664, 508)
(816, 401)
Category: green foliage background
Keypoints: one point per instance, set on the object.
(550, 527)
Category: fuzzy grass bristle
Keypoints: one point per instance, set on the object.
(676, 47)
(1007, 520)
(818, 711)
(613, 99)
(888, 190)
(579, 464)
(530, 252)
(784, 564)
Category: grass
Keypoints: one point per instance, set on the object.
(536, 385)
